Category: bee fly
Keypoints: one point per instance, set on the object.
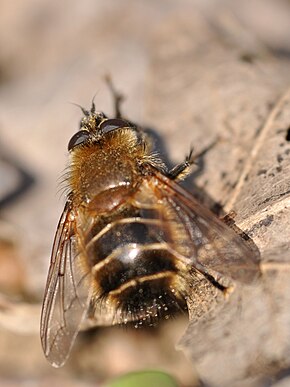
(129, 236)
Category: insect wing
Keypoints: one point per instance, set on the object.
(213, 244)
(66, 295)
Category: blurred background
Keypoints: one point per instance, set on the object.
(193, 71)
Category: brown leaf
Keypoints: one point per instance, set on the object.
(209, 83)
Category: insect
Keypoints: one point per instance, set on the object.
(129, 236)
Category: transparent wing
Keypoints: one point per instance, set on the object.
(206, 241)
(66, 295)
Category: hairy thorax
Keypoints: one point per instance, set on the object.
(104, 174)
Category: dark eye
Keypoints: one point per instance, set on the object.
(78, 138)
(112, 124)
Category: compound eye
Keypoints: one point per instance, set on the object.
(79, 138)
(112, 124)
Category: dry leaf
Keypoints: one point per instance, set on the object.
(209, 83)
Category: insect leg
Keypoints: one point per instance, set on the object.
(215, 283)
(180, 171)
(117, 97)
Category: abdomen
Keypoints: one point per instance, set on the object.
(135, 272)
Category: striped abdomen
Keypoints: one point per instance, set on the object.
(133, 267)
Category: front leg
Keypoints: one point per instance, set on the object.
(180, 171)
(117, 97)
